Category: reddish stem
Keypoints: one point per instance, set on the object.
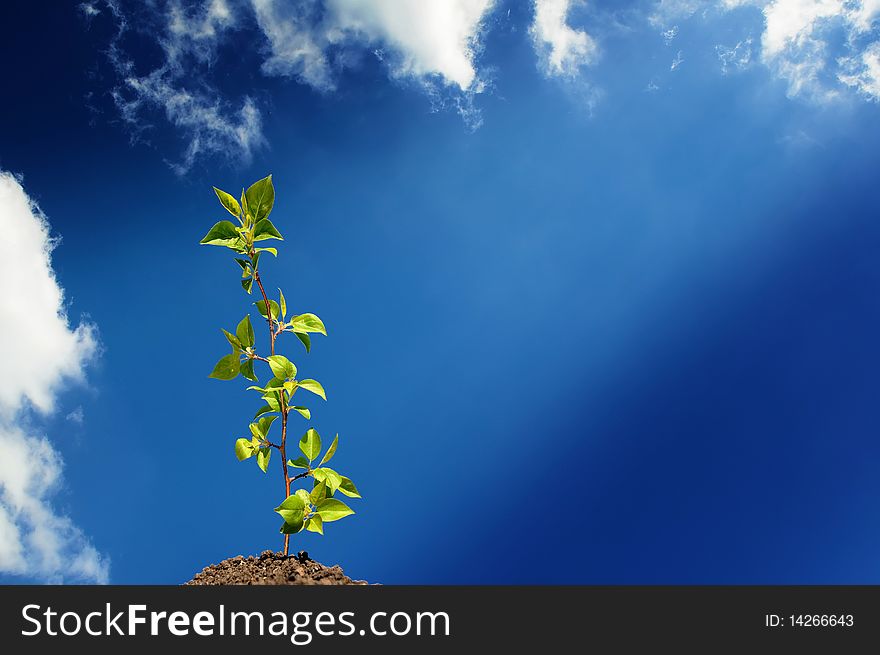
(282, 404)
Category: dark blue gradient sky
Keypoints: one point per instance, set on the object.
(637, 346)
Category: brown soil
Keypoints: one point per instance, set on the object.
(271, 569)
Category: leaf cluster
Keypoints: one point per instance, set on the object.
(309, 510)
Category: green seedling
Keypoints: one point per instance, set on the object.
(301, 509)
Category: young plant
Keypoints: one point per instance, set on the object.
(307, 509)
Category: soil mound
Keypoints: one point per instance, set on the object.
(271, 569)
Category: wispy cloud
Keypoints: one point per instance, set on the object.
(297, 43)
(665, 13)
(88, 9)
(819, 47)
(189, 41)
(414, 39)
(76, 415)
(434, 44)
(207, 121)
(41, 351)
(678, 61)
(862, 71)
(736, 58)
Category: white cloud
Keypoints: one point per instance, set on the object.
(434, 43)
(88, 9)
(790, 24)
(563, 49)
(297, 44)
(428, 38)
(801, 41)
(41, 351)
(818, 47)
(417, 39)
(862, 72)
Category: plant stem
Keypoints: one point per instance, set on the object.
(268, 310)
(282, 404)
(284, 411)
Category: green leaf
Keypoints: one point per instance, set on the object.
(319, 492)
(245, 266)
(307, 323)
(275, 384)
(247, 370)
(265, 423)
(298, 463)
(245, 332)
(265, 230)
(238, 246)
(292, 509)
(247, 284)
(314, 386)
(304, 496)
(260, 198)
(230, 203)
(304, 411)
(232, 339)
(263, 410)
(282, 367)
(331, 509)
(261, 307)
(273, 251)
(255, 430)
(287, 528)
(315, 524)
(263, 456)
(222, 234)
(331, 477)
(306, 340)
(330, 451)
(310, 444)
(244, 209)
(283, 303)
(347, 487)
(227, 368)
(243, 449)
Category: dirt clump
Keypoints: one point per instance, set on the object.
(271, 568)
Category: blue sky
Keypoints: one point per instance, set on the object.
(600, 284)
